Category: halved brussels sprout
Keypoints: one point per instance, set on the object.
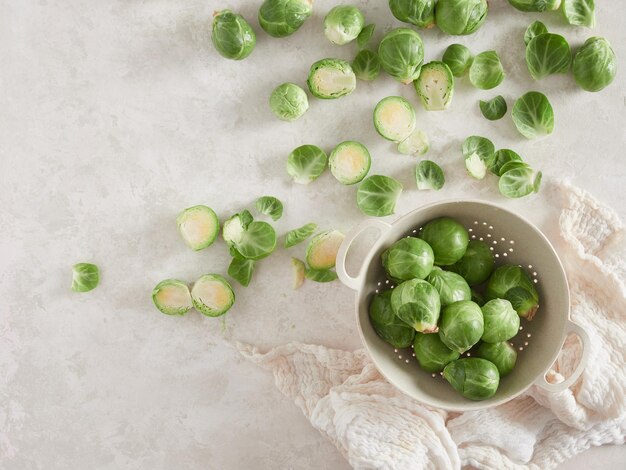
(579, 12)
(421, 13)
(349, 162)
(241, 270)
(458, 58)
(387, 325)
(377, 195)
(269, 205)
(502, 355)
(408, 258)
(447, 238)
(234, 228)
(501, 321)
(533, 115)
(479, 145)
(343, 24)
(595, 64)
(501, 158)
(212, 295)
(515, 285)
(415, 144)
(306, 163)
(401, 54)
(461, 325)
(535, 5)
(435, 86)
(320, 275)
(431, 353)
(172, 297)
(546, 54)
(331, 78)
(451, 287)
(429, 175)
(288, 102)
(281, 18)
(519, 182)
(85, 277)
(199, 226)
(460, 17)
(394, 118)
(486, 71)
(473, 377)
(366, 65)
(232, 36)
(300, 234)
(365, 35)
(494, 108)
(298, 269)
(475, 166)
(417, 303)
(321, 253)
(476, 265)
(534, 29)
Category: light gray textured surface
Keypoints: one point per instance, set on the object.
(115, 116)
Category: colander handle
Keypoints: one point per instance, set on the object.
(355, 282)
(584, 338)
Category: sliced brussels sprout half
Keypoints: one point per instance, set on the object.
(288, 102)
(500, 158)
(429, 175)
(435, 86)
(321, 253)
(298, 269)
(281, 18)
(349, 162)
(579, 12)
(417, 303)
(447, 238)
(212, 295)
(306, 163)
(320, 275)
(431, 353)
(486, 71)
(461, 325)
(331, 78)
(241, 270)
(473, 377)
(415, 144)
(546, 54)
(172, 297)
(458, 58)
(460, 17)
(377, 195)
(232, 36)
(420, 13)
(476, 167)
(502, 355)
(386, 324)
(451, 286)
(343, 24)
(199, 226)
(85, 277)
(534, 29)
(408, 258)
(501, 321)
(394, 118)
(365, 35)
(533, 115)
(366, 65)
(595, 65)
(401, 54)
(494, 108)
(479, 145)
(519, 182)
(270, 206)
(513, 283)
(476, 265)
(535, 5)
(300, 234)
(234, 228)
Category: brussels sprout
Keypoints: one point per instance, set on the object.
(479, 145)
(331, 78)
(460, 17)
(234, 228)
(476, 265)
(447, 238)
(258, 241)
(321, 253)
(475, 166)
(401, 53)
(421, 13)
(241, 270)
(502, 355)
(343, 24)
(232, 36)
(387, 325)
(431, 353)
(172, 297)
(394, 118)
(461, 325)
(500, 158)
(366, 65)
(493, 109)
(546, 54)
(298, 268)
(199, 226)
(501, 321)
(408, 258)
(417, 303)
(595, 65)
(300, 234)
(486, 71)
(473, 377)
(429, 175)
(435, 86)
(377, 195)
(514, 284)
(579, 12)
(85, 277)
(281, 18)
(212, 295)
(519, 182)
(415, 144)
(349, 162)
(535, 5)
(451, 287)
(320, 275)
(534, 29)
(458, 58)
(288, 102)
(533, 115)
(477, 298)
(269, 205)
(306, 163)
(365, 35)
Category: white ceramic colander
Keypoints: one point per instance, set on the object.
(513, 240)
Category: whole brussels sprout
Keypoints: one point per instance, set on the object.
(461, 325)
(476, 264)
(387, 325)
(431, 353)
(417, 303)
(503, 356)
(472, 377)
(501, 321)
(535, 5)
(458, 58)
(451, 287)
(232, 36)
(514, 284)
(343, 24)
(421, 13)
(288, 102)
(447, 238)
(595, 65)
(401, 54)
(408, 258)
(460, 17)
(281, 18)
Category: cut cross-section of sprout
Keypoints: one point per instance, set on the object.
(172, 297)
(435, 86)
(394, 118)
(212, 295)
(298, 268)
(349, 162)
(415, 144)
(321, 253)
(199, 226)
(306, 163)
(331, 78)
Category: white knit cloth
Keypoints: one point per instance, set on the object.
(375, 426)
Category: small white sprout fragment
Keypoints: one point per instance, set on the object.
(394, 118)
(349, 162)
(415, 144)
(212, 295)
(172, 297)
(321, 253)
(298, 269)
(234, 229)
(476, 167)
(199, 226)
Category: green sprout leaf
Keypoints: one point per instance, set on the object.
(241, 270)
(534, 29)
(269, 205)
(306, 163)
(320, 275)
(365, 35)
(429, 175)
(518, 182)
(500, 158)
(378, 194)
(546, 54)
(533, 115)
(579, 12)
(493, 109)
(298, 235)
(85, 277)
(481, 146)
(366, 65)
(258, 241)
